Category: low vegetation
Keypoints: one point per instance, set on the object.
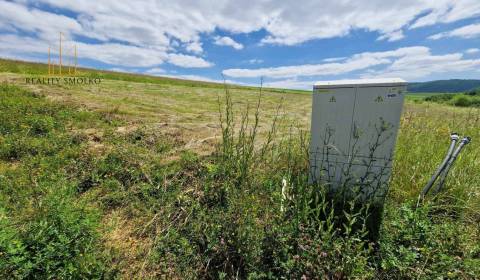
(94, 191)
(467, 99)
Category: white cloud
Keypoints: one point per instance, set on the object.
(306, 21)
(120, 69)
(12, 44)
(255, 61)
(335, 59)
(18, 17)
(195, 47)
(155, 71)
(424, 65)
(467, 32)
(149, 33)
(392, 36)
(409, 63)
(438, 36)
(119, 54)
(202, 79)
(136, 43)
(110, 53)
(160, 23)
(227, 41)
(188, 61)
(290, 83)
(355, 62)
(472, 50)
(446, 11)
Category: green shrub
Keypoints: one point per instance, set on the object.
(475, 101)
(15, 261)
(417, 243)
(40, 125)
(16, 147)
(58, 241)
(468, 99)
(440, 97)
(462, 101)
(45, 231)
(475, 92)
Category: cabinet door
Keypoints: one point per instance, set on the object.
(332, 112)
(374, 131)
(376, 121)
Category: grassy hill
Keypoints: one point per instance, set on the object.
(444, 86)
(146, 177)
(41, 69)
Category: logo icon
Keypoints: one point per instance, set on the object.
(378, 99)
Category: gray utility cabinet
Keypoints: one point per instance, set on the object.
(354, 128)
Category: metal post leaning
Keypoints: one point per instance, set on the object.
(454, 138)
(462, 144)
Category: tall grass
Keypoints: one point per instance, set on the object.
(257, 217)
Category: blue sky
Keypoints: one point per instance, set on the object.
(290, 44)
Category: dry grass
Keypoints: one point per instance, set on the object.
(190, 111)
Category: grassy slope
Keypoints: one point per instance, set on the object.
(174, 105)
(135, 136)
(32, 68)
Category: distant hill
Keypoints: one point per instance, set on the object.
(454, 85)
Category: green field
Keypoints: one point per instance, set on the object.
(141, 177)
(419, 96)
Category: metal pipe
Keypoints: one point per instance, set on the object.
(462, 144)
(454, 138)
